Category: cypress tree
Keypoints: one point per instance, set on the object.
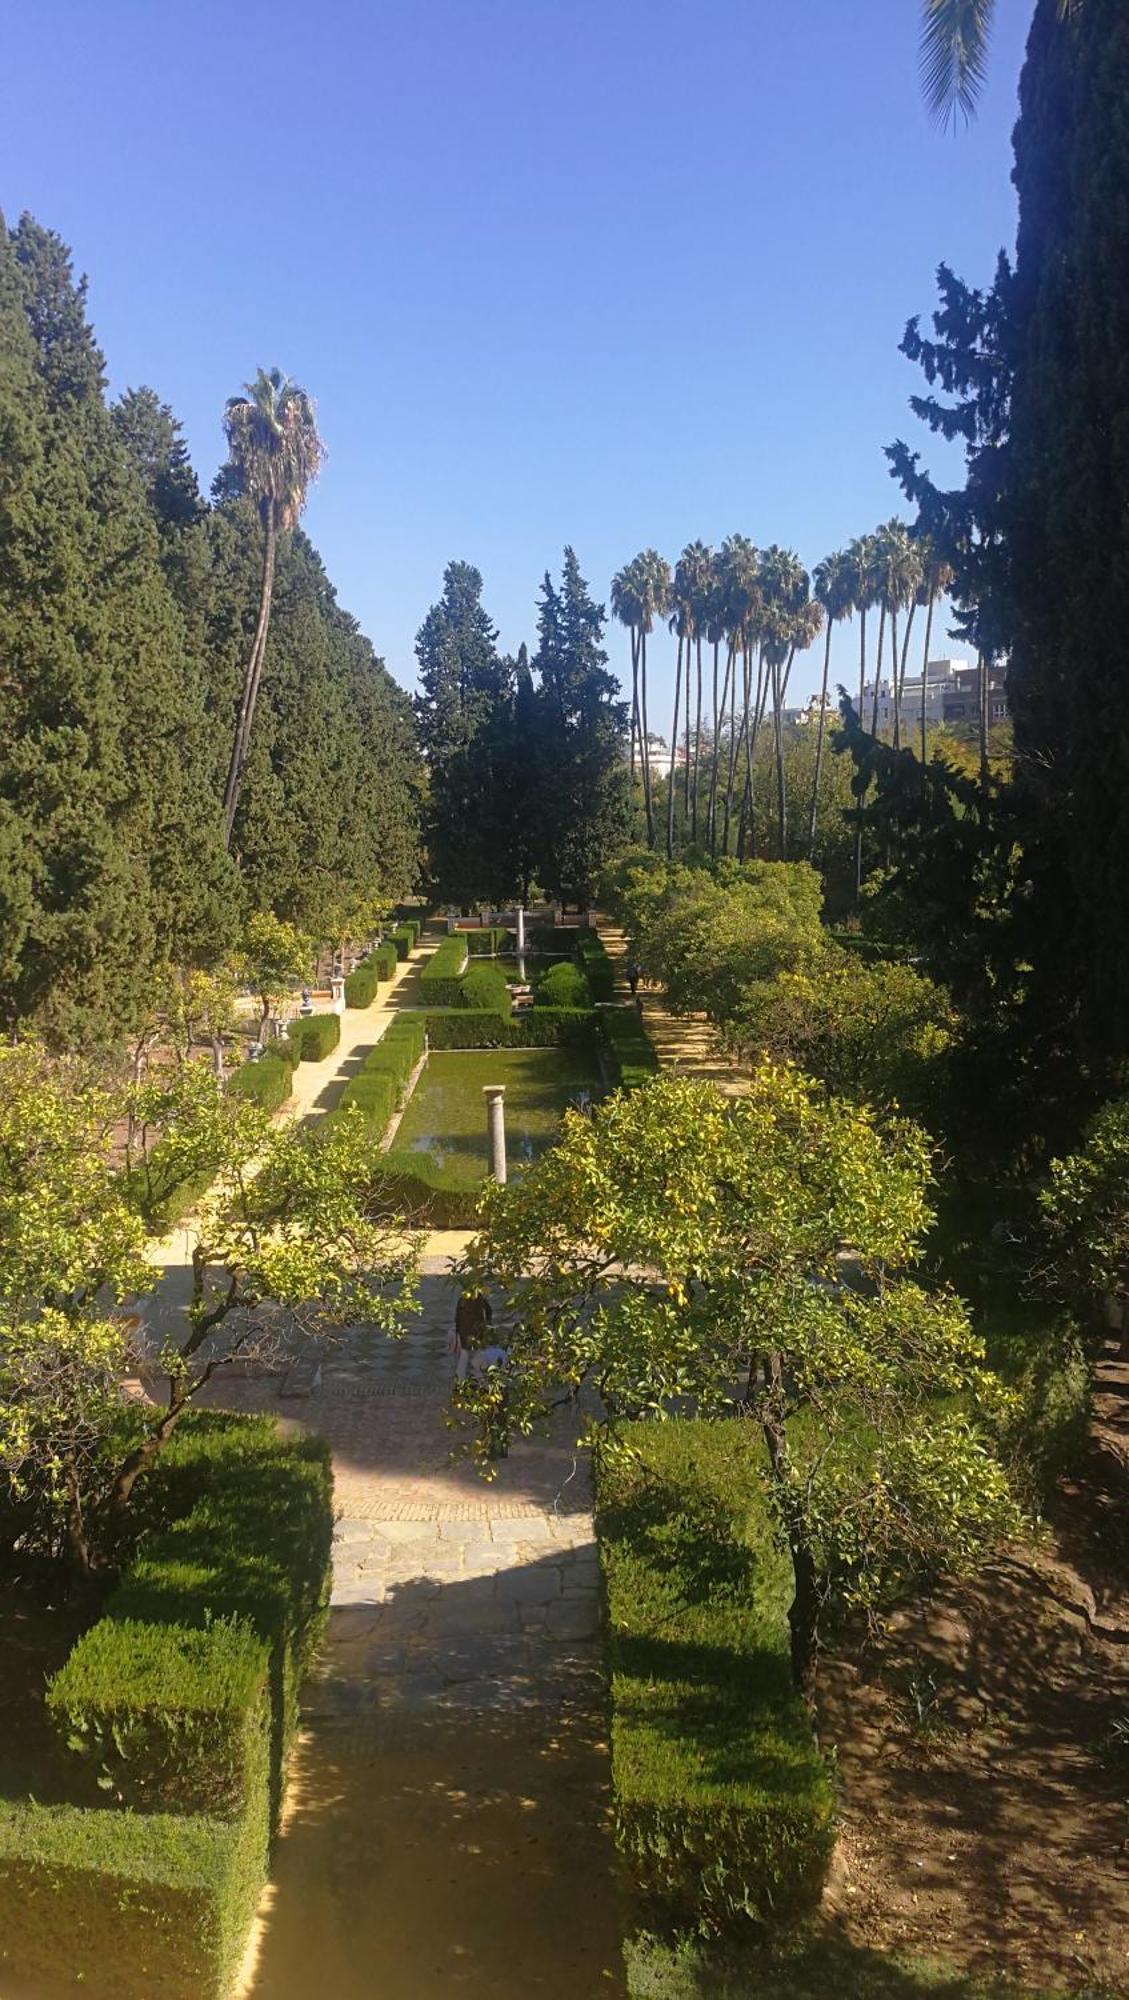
(584, 805)
(461, 714)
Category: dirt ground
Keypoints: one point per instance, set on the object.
(983, 1752)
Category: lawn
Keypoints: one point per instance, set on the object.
(814, 1971)
(445, 1119)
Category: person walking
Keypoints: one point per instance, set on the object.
(473, 1318)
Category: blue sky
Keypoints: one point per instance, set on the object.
(608, 272)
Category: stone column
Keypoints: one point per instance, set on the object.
(495, 1095)
(521, 930)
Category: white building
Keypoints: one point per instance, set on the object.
(952, 694)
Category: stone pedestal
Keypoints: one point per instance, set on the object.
(337, 994)
(495, 1095)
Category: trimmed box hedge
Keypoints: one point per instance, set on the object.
(630, 1048)
(269, 1082)
(483, 987)
(362, 982)
(441, 977)
(379, 1085)
(488, 943)
(315, 1036)
(723, 1805)
(385, 959)
(529, 1028)
(403, 939)
(562, 985)
(595, 964)
(184, 1692)
(413, 1187)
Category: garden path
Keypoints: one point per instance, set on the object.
(683, 1042)
(444, 1826)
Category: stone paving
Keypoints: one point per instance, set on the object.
(446, 1815)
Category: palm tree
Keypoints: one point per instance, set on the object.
(740, 579)
(900, 569)
(275, 453)
(785, 587)
(863, 557)
(834, 581)
(626, 608)
(715, 632)
(954, 52)
(936, 576)
(688, 601)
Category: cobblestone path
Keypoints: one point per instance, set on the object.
(445, 1822)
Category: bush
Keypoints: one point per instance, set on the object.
(315, 1036)
(722, 1803)
(595, 964)
(403, 939)
(378, 1087)
(484, 987)
(441, 977)
(184, 1694)
(372, 1094)
(629, 1046)
(531, 1028)
(361, 984)
(385, 959)
(268, 1082)
(562, 985)
(487, 943)
(163, 1713)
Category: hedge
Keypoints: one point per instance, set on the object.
(315, 1036)
(629, 1046)
(486, 943)
(484, 987)
(595, 964)
(722, 1803)
(530, 1028)
(268, 1082)
(562, 985)
(386, 959)
(378, 1087)
(183, 1695)
(362, 982)
(403, 939)
(441, 977)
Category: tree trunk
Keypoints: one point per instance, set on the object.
(900, 671)
(878, 670)
(731, 761)
(716, 771)
(803, 1612)
(925, 687)
(78, 1544)
(251, 681)
(644, 741)
(862, 698)
(671, 786)
(982, 705)
(686, 751)
(697, 743)
(819, 739)
(634, 703)
(134, 1463)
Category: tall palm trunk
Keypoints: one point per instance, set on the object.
(894, 661)
(686, 751)
(862, 697)
(711, 819)
(819, 739)
(634, 702)
(745, 830)
(781, 782)
(697, 742)
(925, 686)
(899, 685)
(671, 783)
(731, 761)
(878, 670)
(251, 679)
(645, 742)
(982, 706)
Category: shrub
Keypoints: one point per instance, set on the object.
(372, 1094)
(484, 987)
(629, 1046)
(184, 1693)
(269, 1081)
(315, 1036)
(441, 977)
(403, 939)
(385, 959)
(378, 1087)
(722, 1803)
(163, 1713)
(361, 984)
(562, 985)
(487, 943)
(595, 964)
(531, 1028)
